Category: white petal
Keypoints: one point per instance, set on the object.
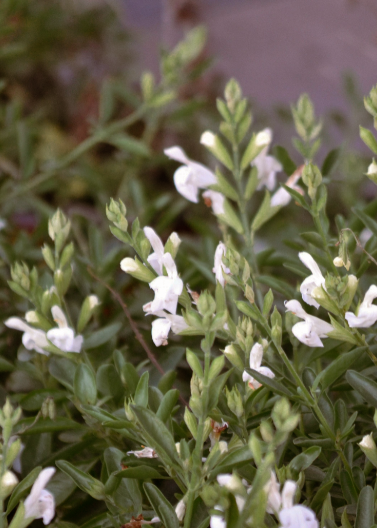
(266, 372)
(160, 331)
(177, 154)
(306, 288)
(364, 319)
(310, 263)
(59, 317)
(154, 240)
(156, 262)
(31, 502)
(296, 308)
(170, 266)
(256, 356)
(298, 517)
(177, 323)
(64, 338)
(35, 341)
(305, 333)
(183, 182)
(288, 493)
(370, 295)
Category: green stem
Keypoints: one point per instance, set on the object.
(319, 227)
(81, 149)
(196, 475)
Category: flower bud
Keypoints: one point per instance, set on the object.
(234, 401)
(180, 510)
(206, 304)
(58, 229)
(249, 294)
(172, 245)
(368, 447)
(21, 275)
(136, 269)
(312, 177)
(231, 354)
(7, 484)
(87, 309)
(216, 147)
(62, 279)
(208, 139)
(232, 94)
(350, 291)
(372, 171)
(116, 213)
(322, 298)
(65, 259)
(48, 257)
(263, 138)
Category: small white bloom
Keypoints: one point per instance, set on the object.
(8, 482)
(256, 357)
(298, 517)
(219, 266)
(208, 139)
(128, 265)
(372, 169)
(93, 301)
(161, 327)
(264, 138)
(63, 337)
(312, 329)
(267, 166)
(217, 521)
(155, 259)
(32, 338)
(368, 442)
(167, 289)
(313, 281)
(282, 197)
(223, 446)
(229, 481)
(31, 317)
(40, 504)
(274, 500)
(191, 177)
(180, 510)
(215, 200)
(147, 452)
(367, 313)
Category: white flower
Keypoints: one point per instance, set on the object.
(63, 337)
(32, 338)
(93, 301)
(367, 313)
(147, 452)
(217, 521)
(208, 139)
(180, 510)
(161, 327)
(216, 200)
(311, 329)
(282, 197)
(368, 442)
(372, 169)
(40, 504)
(267, 166)
(219, 266)
(229, 481)
(281, 504)
(256, 356)
(191, 177)
(155, 259)
(313, 281)
(166, 289)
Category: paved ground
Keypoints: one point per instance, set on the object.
(278, 48)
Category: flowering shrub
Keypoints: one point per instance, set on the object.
(199, 378)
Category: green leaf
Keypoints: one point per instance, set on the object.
(342, 333)
(313, 238)
(237, 458)
(305, 459)
(63, 370)
(282, 155)
(21, 489)
(366, 219)
(161, 506)
(265, 212)
(320, 496)
(348, 487)
(84, 385)
(109, 382)
(141, 393)
(193, 361)
(272, 384)
(167, 405)
(251, 310)
(156, 434)
(369, 139)
(224, 187)
(337, 368)
(130, 144)
(83, 480)
(330, 161)
(297, 197)
(217, 366)
(102, 336)
(364, 386)
(216, 387)
(276, 284)
(139, 473)
(365, 508)
(5, 365)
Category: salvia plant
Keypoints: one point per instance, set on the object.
(159, 378)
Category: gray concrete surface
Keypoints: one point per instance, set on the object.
(278, 49)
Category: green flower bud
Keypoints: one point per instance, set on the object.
(48, 257)
(206, 304)
(234, 401)
(88, 306)
(66, 257)
(372, 171)
(172, 245)
(216, 147)
(232, 94)
(58, 229)
(62, 280)
(8, 482)
(116, 213)
(136, 269)
(312, 177)
(21, 275)
(232, 355)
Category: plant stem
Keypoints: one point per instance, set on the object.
(81, 149)
(196, 475)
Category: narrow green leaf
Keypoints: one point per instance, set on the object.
(161, 506)
(140, 473)
(141, 393)
(365, 508)
(167, 405)
(83, 480)
(330, 161)
(364, 386)
(369, 139)
(337, 368)
(282, 155)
